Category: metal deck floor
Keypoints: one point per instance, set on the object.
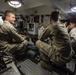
(30, 68)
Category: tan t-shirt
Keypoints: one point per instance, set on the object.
(7, 34)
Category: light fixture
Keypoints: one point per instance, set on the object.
(73, 8)
(14, 3)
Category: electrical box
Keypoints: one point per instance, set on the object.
(32, 28)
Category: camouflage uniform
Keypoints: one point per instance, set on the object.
(10, 40)
(60, 50)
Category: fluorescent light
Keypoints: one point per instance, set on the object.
(73, 8)
(15, 4)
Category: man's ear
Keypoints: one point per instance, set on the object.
(6, 17)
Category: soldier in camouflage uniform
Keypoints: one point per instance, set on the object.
(10, 40)
(60, 50)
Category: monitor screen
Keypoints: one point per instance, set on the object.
(31, 27)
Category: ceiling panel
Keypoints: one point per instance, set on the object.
(62, 5)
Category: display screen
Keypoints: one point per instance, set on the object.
(31, 27)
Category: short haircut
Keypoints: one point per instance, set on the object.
(55, 15)
(8, 12)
